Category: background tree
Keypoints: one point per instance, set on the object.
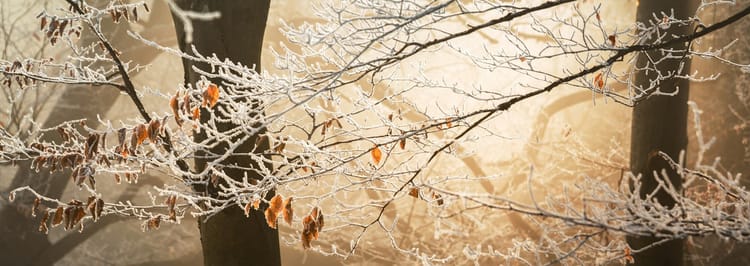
(660, 122)
(228, 237)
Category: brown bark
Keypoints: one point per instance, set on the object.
(660, 124)
(228, 237)
(20, 242)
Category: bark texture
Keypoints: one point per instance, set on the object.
(660, 124)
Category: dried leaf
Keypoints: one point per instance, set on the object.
(69, 216)
(92, 145)
(154, 223)
(629, 256)
(308, 225)
(43, 223)
(247, 208)
(121, 135)
(612, 40)
(438, 198)
(288, 212)
(256, 204)
(196, 113)
(58, 218)
(414, 192)
(153, 130)
(376, 154)
(99, 208)
(272, 212)
(210, 95)
(599, 81)
(280, 147)
(141, 131)
(186, 104)
(320, 222)
(402, 143)
(174, 104)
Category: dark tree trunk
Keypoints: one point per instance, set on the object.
(229, 238)
(660, 124)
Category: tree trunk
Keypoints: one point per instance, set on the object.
(228, 237)
(660, 124)
(20, 242)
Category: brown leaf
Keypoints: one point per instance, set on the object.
(320, 222)
(438, 198)
(43, 223)
(288, 212)
(376, 154)
(402, 143)
(256, 204)
(174, 104)
(308, 225)
(58, 218)
(272, 212)
(141, 131)
(247, 208)
(99, 208)
(154, 223)
(414, 192)
(210, 95)
(153, 130)
(279, 148)
(92, 145)
(196, 113)
(121, 135)
(186, 104)
(598, 81)
(612, 40)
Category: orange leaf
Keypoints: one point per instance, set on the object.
(142, 132)
(599, 81)
(196, 113)
(414, 192)
(173, 103)
(272, 212)
(210, 95)
(153, 130)
(376, 154)
(402, 143)
(58, 218)
(288, 212)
